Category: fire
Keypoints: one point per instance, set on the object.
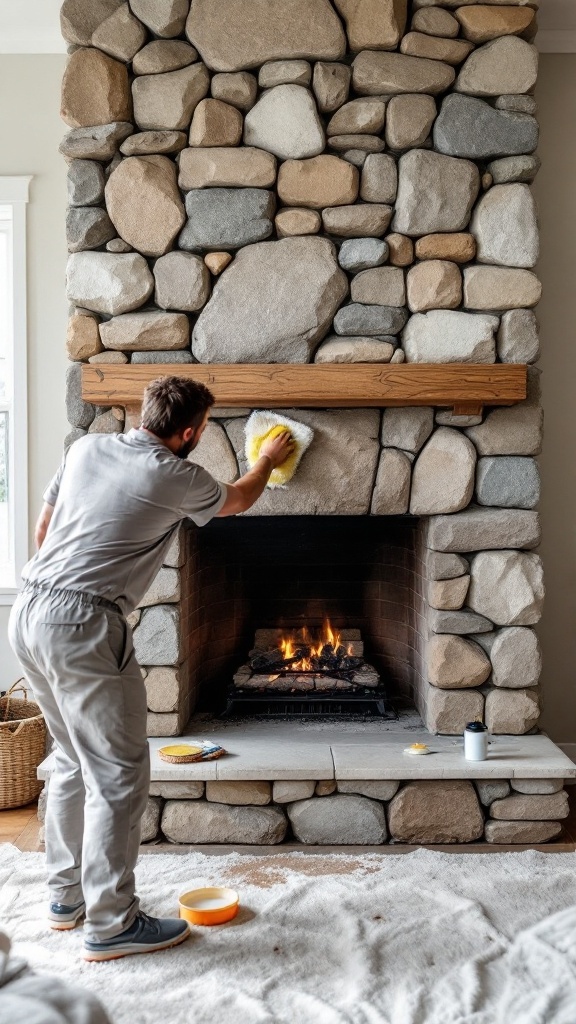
(290, 644)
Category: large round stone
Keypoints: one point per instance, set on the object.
(436, 812)
(435, 193)
(200, 821)
(321, 181)
(516, 658)
(456, 663)
(449, 336)
(252, 316)
(144, 203)
(285, 122)
(340, 820)
(167, 101)
(470, 127)
(505, 226)
(503, 66)
(95, 90)
(232, 35)
(108, 282)
(512, 712)
(443, 476)
(507, 587)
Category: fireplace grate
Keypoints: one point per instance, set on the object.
(330, 704)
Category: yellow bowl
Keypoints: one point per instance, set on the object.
(214, 905)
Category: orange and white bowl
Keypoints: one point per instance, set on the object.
(213, 905)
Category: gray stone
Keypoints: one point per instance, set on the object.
(469, 127)
(435, 193)
(239, 89)
(108, 282)
(407, 427)
(511, 712)
(289, 792)
(157, 637)
(118, 245)
(163, 17)
(506, 833)
(285, 122)
(162, 357)
(379, 181)
(162, 55)
(362, 253)
(450, 336)
(507, 482)
(503, 66)
(514, 168)
(443, 475)
(284, 72)
(87, 227)
(176, 554)
(362, 116)
(533, 807)
(154, 142)
(507, 587)
(441, 566)
(435, 22)
(357, 318)
(479, 528)
(197, 821)
(505, 227)
(150, 823)
(340, 820)
(354, 350)
(518, 340)
(492, 789)
(231, 36)
(447, 712)
(106, 423)
(167, 101)
(500, 288)
(361, 219)
(436, 812)
(85, 183)
(374, 789)
(99, 142)
(78, 412)
(542, 787)
(239, 793)
(164, 589)
(215, 453)
(456, 663)
(385, 74)
(515, 656)
(513, 431)
(144, 331)
(252, 317)
(409, 119)
(172, 790)
(182, 281)
(458, 622)
(226, 218)
(522, 103)
(392, 485)
(381, 286)
(331, 84)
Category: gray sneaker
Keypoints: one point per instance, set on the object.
(63, 917)
(145, 935)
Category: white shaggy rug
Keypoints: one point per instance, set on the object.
(419, 938)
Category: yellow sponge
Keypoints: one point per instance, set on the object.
(262, 426)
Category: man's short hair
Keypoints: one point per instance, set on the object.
(172, 404)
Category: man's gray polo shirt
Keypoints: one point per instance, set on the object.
(118, 499)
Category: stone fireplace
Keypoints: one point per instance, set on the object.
(326, 208)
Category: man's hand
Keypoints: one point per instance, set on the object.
(278, 448)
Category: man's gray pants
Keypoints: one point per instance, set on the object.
(79, 661)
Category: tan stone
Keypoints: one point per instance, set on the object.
(325, 787)
(163, 55)
(109, 357)
(374, 789)
(436, 812)
(409, 119)
(454, 662)
(352, 349)
(419, 44)
(500, 288)
(358, 117)
(284, 72)
(448, 595)
(543, 787)
(169, 100)
(507, 833)
(392, 486)
(448, 711)
(145, 183)
(520, 807)
(239, 88)
(318, 182)
(226, 167)
(401, 249)
(514, 431)
(512, 712)
(356, 144)
(443, 475)
(201, 821)
(434, 284)
(95, 90)
(106, 423)
(163, 17)
(379, 181)
(120, 35)
(297, 222)
(482, 22)
(82, 338)
(287, 792)
(458, 246)
(507, 65)
(368, 220)
(239, 793)
(186, 789)
(217, 261)
(381, 286)
(435, 22)
(373, 24)
(216, 124)
(163, 687)
(133, 332)
(331, 85)
(152, 143)
(380, 74)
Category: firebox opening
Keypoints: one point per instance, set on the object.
(291, 572)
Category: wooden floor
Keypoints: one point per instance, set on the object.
(21, 827)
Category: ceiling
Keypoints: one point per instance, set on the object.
(33, 26)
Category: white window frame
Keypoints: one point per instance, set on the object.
(14, 192)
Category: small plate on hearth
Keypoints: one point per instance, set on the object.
(188, 753)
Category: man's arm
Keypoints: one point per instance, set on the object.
(43, 524)
(242, 495)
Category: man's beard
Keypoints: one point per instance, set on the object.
(185, 449)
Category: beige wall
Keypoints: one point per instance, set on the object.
(30, 131)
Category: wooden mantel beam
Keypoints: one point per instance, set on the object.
(465, 387)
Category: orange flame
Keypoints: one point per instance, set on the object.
(289, 645)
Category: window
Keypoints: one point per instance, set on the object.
(13, 413)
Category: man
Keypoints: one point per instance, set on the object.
(109, 516)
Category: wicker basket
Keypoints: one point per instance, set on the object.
(22, 748)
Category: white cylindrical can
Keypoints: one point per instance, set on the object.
(475, 741)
